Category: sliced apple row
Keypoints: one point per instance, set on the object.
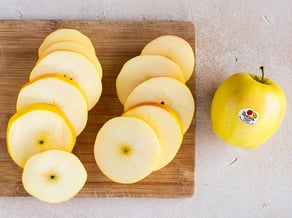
(151, 88)
(52, 110)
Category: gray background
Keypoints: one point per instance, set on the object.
(231, 36)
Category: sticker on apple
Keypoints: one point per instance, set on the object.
(248, 116)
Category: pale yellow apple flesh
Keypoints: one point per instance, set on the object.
(246, 112)
(168, 91)
(74, 66)
(56, 90)
(141, 68)
(53, 176)
(74, 47)
(37, 128)
(174, 48)
(66, 35)
(125, 149)
(166, 125)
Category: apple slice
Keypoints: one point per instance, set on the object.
(66, 35)
(57, 90)
(53, 176)
(141, 68)
(125, 149)
(37, 128)
(166, 125)
(74, 66)
(174, 48)
(167, 91)
(74, 47)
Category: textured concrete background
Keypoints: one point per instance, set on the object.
(231, 36)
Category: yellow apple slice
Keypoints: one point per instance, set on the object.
(141, 68)
(53, 176)
(66, 35)
(168, 91)
(74, 66)
(57, 90)
(166, 125)
(174, 48)
(125, 149)
(75, 47)
(37, 128)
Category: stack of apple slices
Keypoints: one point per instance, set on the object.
(158, 110)
(51, 111)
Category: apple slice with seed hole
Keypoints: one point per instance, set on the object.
(141, 68)
(53, 176)
(74, 47)
(174, 48)
(166, 125)
(66, 35)
(74, 66)
(57, 90)
(125, 149)
(37, 128)
(168, 91)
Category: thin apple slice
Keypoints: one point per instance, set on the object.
(141, 68)
(66, 35)
(37, 128)
(174, 48)
(57, 90)
(75, 47)
(53, 176)
(168, 91)
(74, 66)
(166, 125)
(125, 149)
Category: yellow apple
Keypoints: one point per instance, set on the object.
(141, 68)
(66, 35)
(53, 176)
(174, 48)
(74, 66)
(37, 128)
(57, 90)
(74, 47)
(125, 149)
(247, 109)
(167, 91)
(166, 125)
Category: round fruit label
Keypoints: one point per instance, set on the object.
(248, 116)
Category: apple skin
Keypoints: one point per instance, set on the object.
(243, 91)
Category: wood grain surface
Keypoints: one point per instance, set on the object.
(115, 43)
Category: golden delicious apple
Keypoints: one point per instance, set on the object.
(75, 47)
(53, 176)
(166, 125)
(125, 149)
(74, 66)
(57, 90)
(175, 48)
(67, 35)
(167, 91)
(141, 68)
(37, 128)
(247, 109)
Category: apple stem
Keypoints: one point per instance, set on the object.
(263, 74)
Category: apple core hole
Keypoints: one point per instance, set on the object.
(41, 142)
(126, 150)
(52, 177)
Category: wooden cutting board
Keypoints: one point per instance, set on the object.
(115, 43)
